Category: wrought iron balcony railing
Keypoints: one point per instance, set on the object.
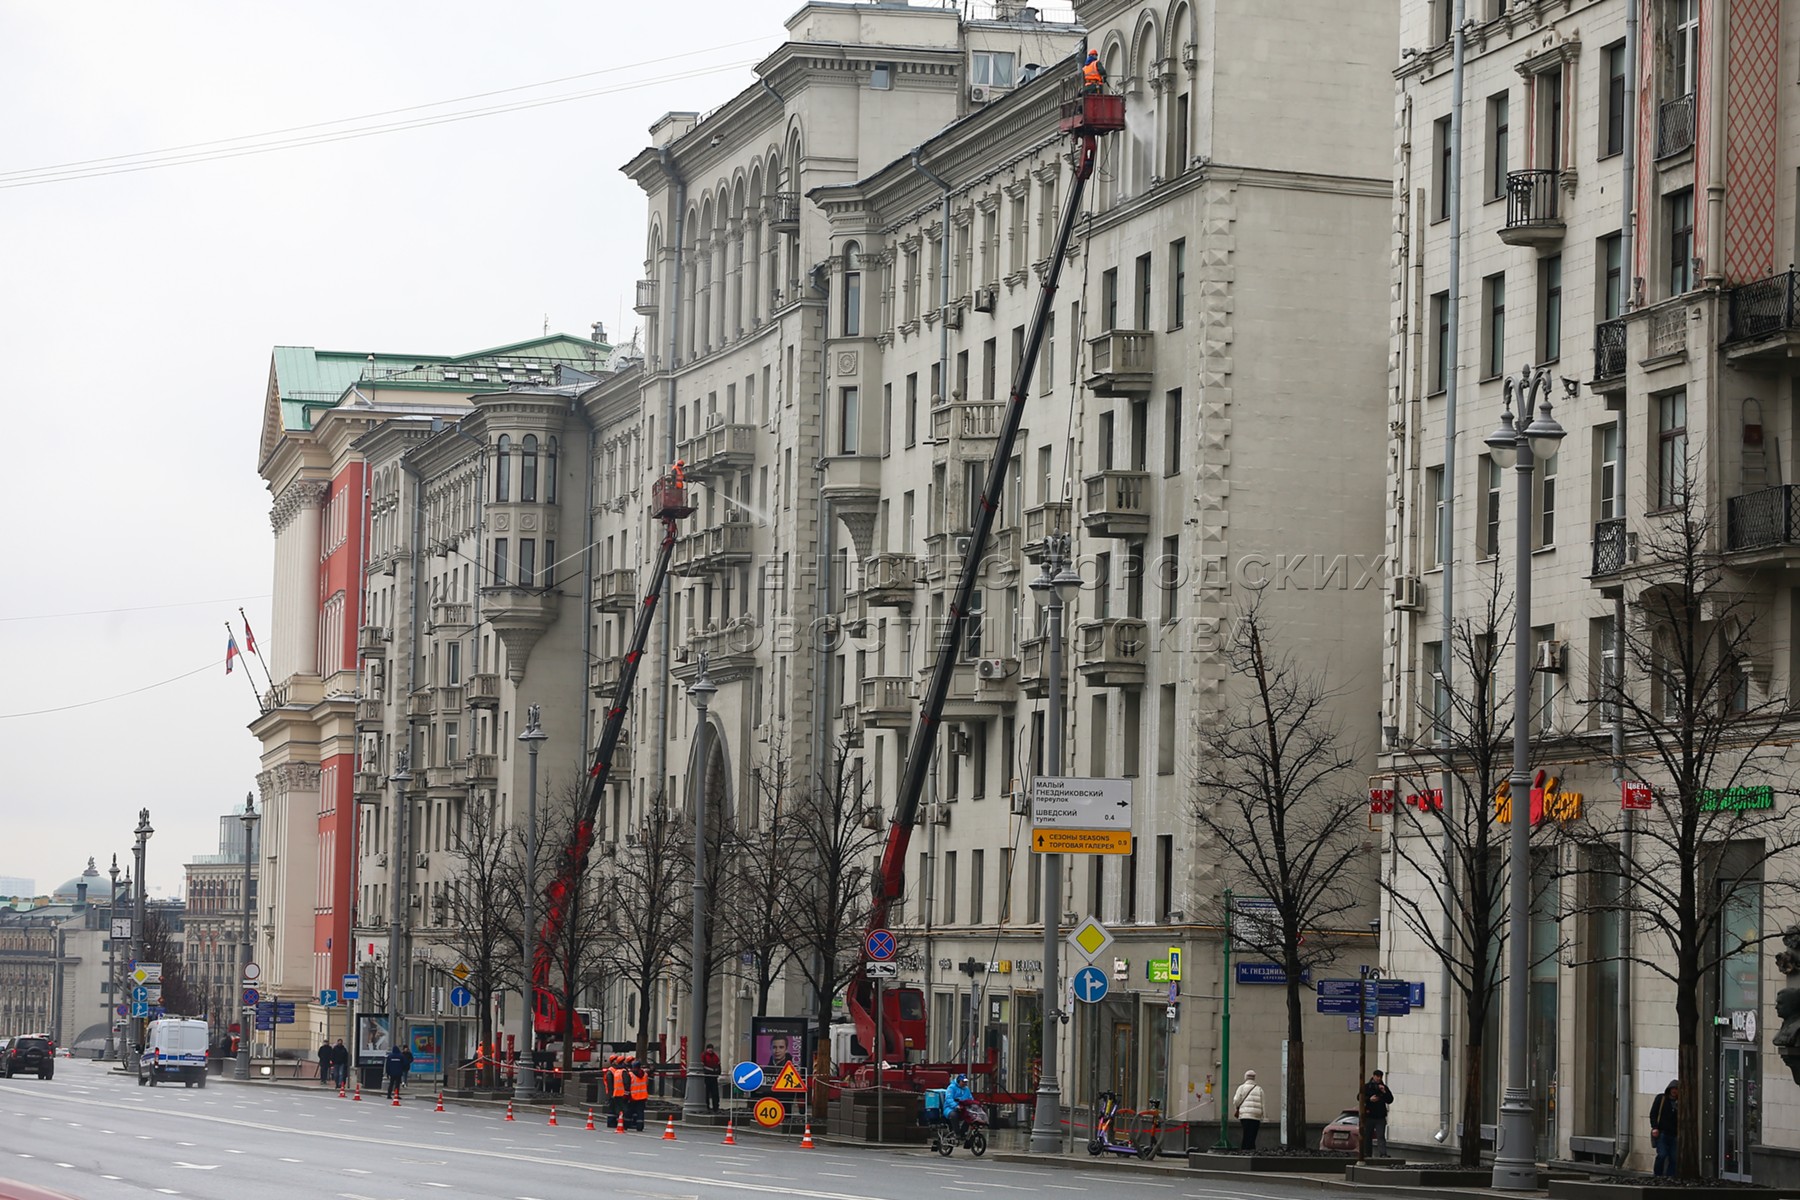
(1764, 307)
(1674, 126)
(1609, 349)
(1768, 517)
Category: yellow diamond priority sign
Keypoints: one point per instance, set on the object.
(1090, 939)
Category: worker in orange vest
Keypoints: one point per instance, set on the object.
(616, 1104)
(1093, 75)
(640, 1094)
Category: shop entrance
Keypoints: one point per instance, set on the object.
(1740, 1108)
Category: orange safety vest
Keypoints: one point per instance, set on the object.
(1092, 75)
(606, 1075)
(640, 1086)
(619, 1078)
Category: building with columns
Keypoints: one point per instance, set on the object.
(216, 919)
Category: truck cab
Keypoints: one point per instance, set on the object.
(174, 1048)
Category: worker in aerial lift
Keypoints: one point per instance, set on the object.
(1093, 75)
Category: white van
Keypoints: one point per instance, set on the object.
(175, 1048)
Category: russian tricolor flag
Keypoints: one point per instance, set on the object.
(231, 650)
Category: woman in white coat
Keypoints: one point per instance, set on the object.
(1247, 1107)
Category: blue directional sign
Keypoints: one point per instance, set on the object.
(881, 945)
(1090, 985)
(251, 996)
(139, 1008)
(140, 994)
(327, 998)
(1366, 1025)
(460, 996)
(1416, 994)
(747, 1076)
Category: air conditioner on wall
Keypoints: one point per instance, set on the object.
(1408, 593)
(995, 668)
(959, 742)
(953, 317)
(1552, 657)
(980, 93)
(984, 299)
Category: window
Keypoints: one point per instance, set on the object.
(1493, 289)
(1671, 449)
(550, 473)
(849, 408)
(1550, 308)
(881, 78)
(912, 409)
(1440, 345)
(1109, 299)
(1131, 744)
(1439, 505)
(1543, 684)
(1606, 476)
(1165, 730)
(852, 319)
(1547, 89)
(1611, 258)
(1683, 46)
(1006, 885)
(1441, 169)
(1434, 696)
(1179, 136)
(527, 562)
(1605, 671)
(972, 626)
(499, 562)
(1487, 543)
(1546, 480)
(977, 868)
(949, 887)
(1498, 116)
(962, 378)
(528, 469)
(1441, 17)
(1679, 211)
(1168, 580)
(1097, 737)
(1141, 318)
(1172, 432)
(1612, 100)
(989, 352)
(991, 68)
(1177, 283)
(1134, 580)
(887, 419)
(547, 577)
(1165, 878)
(503, 470)
(1045, 380)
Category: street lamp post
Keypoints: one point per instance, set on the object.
(1054, 588)
(138, 847)
(1519, 445)
(524, 1076)
(124, 986)
(249, 818)
(112, 959)
(693, 1103)
(397, 884)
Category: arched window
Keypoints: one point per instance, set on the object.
(528, 469)
(550, 474)
(852, 290)
(503, 470)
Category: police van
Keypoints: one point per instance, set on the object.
(174, 1048)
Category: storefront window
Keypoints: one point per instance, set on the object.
(1600, 1017)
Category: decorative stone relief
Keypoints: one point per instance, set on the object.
(846, 362)
(528, 522)
(502, 522)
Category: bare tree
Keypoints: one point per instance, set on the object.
(648, 903)
(1277, 787)
(1698, 724)
(160, 947)
(573, 953)
(483, 916)
(752, 915)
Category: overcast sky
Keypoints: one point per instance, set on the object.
(138, 308)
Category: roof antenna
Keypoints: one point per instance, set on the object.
(546, 324)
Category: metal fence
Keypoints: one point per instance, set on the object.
(1532, 198)
(1674, 126)
(1609, 348)
(1769, 517)
(1609, 546)
(1762, 308)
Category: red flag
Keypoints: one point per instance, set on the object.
(231, 650)
(249, 638)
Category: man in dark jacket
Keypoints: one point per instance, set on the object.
(1662, 1128)
(1375, 1100)
(340, 1063)
(395, 1065)
(324, 1062)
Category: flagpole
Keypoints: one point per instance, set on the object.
(250, 641)
(231, 645)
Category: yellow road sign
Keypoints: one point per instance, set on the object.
(1080, 841)
(770, 1112)
(789, 1080)
(461, 971)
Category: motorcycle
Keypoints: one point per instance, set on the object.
(968, 1128)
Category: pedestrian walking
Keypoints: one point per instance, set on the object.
(1376, 1097)
(1663, 1111)
(325, 1062)
(1247, 1107)
(709, 1066)
(640, 1095)
(340, 1063)
(395, 1065)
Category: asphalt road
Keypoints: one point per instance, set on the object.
(98, 1136)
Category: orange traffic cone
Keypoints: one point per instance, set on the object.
(340, 1091)
(806, 1142)
(358, 1095)
(620, 1127)
(590, 1123)
(669, 1130)
(396, 1099)
(729, 1139)
(509, 1115)
(553, 1114)
(440, 1104)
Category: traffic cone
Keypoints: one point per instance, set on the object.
(620, 1127)
(440, 1104)
(669, 1129)
(730, 1140)
(553, 1114)
(590, 1123)
(358, 1095)
(806, 1142)
(396, 1099)
(509, 1115)
(340, 1091)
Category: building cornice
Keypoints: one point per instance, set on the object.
(294, 499)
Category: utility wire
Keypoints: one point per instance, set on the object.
(101, 612)
(38, 712)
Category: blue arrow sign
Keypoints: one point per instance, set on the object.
(747, 1076)
(881, 945)
(1090, 985)
(139, 1008)
(460, 996)
(140, 994)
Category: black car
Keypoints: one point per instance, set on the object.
(31, 1054)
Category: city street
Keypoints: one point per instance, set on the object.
(97, 1135)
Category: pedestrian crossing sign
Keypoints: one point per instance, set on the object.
(789, 1080)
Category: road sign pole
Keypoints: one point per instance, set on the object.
(1362, 1072)
(1224, 1142)
(878, 1057)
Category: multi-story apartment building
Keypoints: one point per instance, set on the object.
(1627, 206)
(216, 920)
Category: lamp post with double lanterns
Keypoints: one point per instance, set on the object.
(138, 847)
(249, 818)
(112, 960)
(525, 1073)
(693, 1102)
(1052, 589)
(1519, 445)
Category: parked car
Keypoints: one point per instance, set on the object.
(31, 1054)
(176, 1049)
(1345, 1133)
(64, 1052)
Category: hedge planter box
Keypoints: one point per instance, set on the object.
(1600, 1189)
(1292, 1164)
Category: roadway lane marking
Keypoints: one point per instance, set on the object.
(184, 1143)
(430, 1184)
(65, 1164)
(234, 1151)
(168, 1191)
(293, 1160)
(836, 1175)
(188, 1166)
(354, 1171)
(1064, 1187)
(22, 1155)
(114, 1178)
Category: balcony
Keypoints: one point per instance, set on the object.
(1674, 127)
(616, 590)
(419, 704)
(450, 699)
(1121, 362)
(482, 768)
(721, 547)
(1611, 547)
(1762, 519)
(889, 579)
(851, 725)
(604, 675)
(646, 296)
(368, 783)
(1533, 208)
(730, 652)
(967, 421)
(1609, 353)
(1111, 652)
(944, 554)
(371, 639)
(721, 450)
(368, 712)
(483, 691)
(886, 701)
(1041, 522)
(1117, 504)
(1763, 319)
(784, 212)
(449, 618)
(450, 777)
(1034, 666)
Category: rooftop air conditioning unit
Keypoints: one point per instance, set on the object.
(1552, 657)
(1408, 593)
(984, 299)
